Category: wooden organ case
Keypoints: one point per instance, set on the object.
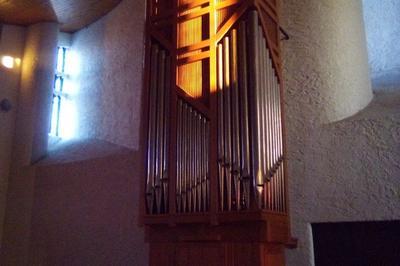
(215, 188)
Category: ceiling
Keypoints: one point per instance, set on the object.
(71, 14)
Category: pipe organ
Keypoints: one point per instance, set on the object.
(215, 180)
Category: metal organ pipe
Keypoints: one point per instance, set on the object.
(152, 130)
(255, 104)
(157, 167)
(235, 168)
(250, 145)
(244, 117)
(221, 138)
(160, 130)
(250, 148)
(192, 164)
(227, 122)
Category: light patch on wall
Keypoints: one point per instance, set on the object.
(10, 62)
(73, 64)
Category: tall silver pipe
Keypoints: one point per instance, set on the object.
(185, 159)
(203, 166)
(191, 159)
(198, 161)
(151, 138)
(267, 123)
(235, 117)
(221, 116)
(244, 116)
(276, 118)
(166, 122)
(278, 132)
(207, 148)
(267, 129)
(263, 108)
(257, 167)
(200, 138)
(159, 128)
(280, 135)
(272, 135)
(196, 181)
(228, 123)
(179, 158)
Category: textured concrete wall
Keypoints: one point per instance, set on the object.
(342, 170)
(85, 211)
(382, 23)
(12, 44)
(17, 224)
(108, 75)
(330, 62)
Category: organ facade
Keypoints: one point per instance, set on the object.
(215, 187)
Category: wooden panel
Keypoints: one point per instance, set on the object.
(25, 12)
(71, 14)
(216, 254)
(76, 14)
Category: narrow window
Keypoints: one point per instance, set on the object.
(58, 96)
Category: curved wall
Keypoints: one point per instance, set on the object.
(331, 144)
(327, 57)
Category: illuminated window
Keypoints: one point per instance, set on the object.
(58, 95)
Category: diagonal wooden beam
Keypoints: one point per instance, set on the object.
(232, 20)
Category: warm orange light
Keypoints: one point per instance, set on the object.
(17, 61)
(190, 74)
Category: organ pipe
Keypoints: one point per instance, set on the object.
(249, 134)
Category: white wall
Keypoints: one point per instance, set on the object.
(382, 23)
(29, 143)
(36, 89)
(108, 75)
(11, 44)
(339, 170)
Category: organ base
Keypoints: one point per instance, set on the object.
(251, 238)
